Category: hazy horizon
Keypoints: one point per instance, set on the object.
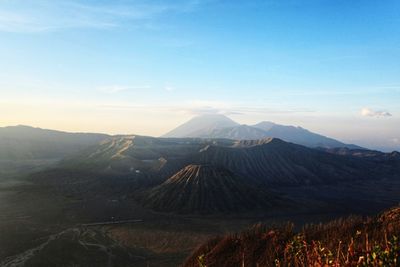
(366, 144)
(145, 67)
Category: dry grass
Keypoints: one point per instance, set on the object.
(353, 241)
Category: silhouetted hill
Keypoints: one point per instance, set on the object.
(28, 143)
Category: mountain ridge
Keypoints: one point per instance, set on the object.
(197, 125)
(271, 160)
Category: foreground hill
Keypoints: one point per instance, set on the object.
(345, 242)
(207, 189)
(219, 126)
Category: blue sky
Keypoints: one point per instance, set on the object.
(146, 66)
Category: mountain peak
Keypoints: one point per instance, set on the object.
(200, 125)
(264, 125)
(213, 116)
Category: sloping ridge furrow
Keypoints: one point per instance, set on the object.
(206, 189)
(282, 163)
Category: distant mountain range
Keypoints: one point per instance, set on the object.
(29, 143)
(220, 126)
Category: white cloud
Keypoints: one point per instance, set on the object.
(112, 89)
(367, 112)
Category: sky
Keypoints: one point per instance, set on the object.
(144, 67)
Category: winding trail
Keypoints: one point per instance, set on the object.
(77, 233)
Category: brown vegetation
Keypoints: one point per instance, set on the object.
(353, 241)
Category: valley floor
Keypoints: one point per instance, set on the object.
(32, 216)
